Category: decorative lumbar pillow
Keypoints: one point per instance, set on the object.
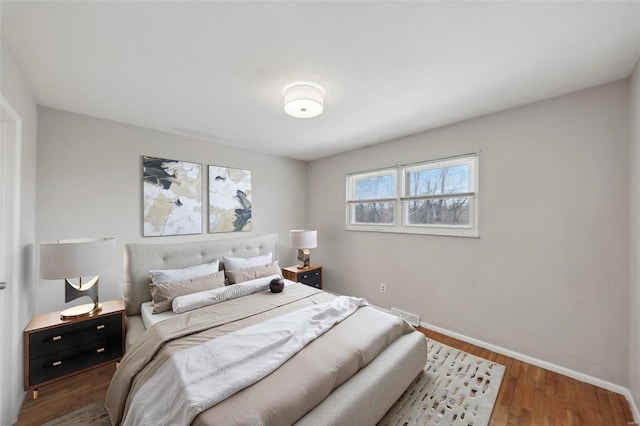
(276, 285)
(163, 294)
(253, 273)
(175, 275)
(237, 263)
(197, 300)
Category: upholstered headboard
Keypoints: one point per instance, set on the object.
(139, 259)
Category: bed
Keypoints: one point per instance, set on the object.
(350, 374)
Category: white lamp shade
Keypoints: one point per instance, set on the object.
(303, 101)
(303, 239)
(76, 258)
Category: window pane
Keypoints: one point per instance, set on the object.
(373, 212)
(445, 180)
(372, 187)
(444, 211)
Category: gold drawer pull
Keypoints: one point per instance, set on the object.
(56, 338)
(100, 327)
(99, 351)
(57, 363)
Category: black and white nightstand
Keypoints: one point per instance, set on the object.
(312, 276)
(56, 348)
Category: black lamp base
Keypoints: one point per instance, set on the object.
(72, 292)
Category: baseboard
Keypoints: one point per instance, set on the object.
(633, 405)
(543, 364)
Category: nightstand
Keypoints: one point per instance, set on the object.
(311, 276)
(55, 349)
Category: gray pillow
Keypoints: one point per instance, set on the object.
(162, 294)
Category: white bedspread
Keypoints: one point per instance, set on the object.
(198, 378)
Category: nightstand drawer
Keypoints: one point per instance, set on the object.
(315, 283)
(61, 363)
(73, 335)
(312, 278)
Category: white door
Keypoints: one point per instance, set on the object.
(10, 363)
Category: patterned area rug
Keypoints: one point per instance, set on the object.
(455, 388)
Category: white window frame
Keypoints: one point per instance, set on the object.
(351, 200)
(401, 200)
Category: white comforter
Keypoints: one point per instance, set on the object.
(230, 363)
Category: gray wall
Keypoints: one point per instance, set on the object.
(550, 270)
(16, 90)
(634, 252)
(89, 185)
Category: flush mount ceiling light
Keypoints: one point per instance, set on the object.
(303, 100)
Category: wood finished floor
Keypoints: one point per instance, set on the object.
(65, 396)
(529, 395)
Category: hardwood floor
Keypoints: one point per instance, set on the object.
(65, 396)
(529, 395)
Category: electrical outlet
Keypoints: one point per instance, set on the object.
(383, 288)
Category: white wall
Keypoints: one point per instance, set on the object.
(90, 185)
(634, 251)
(17, 92)
(549, 275)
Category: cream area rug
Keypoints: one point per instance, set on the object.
(455, 388)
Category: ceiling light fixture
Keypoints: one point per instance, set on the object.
(303, 100)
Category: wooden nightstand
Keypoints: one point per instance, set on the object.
(311, 276)
(55, 349)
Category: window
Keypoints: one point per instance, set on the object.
(372, 198)
(437, 197)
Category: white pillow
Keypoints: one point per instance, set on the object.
(237, 263)
(161, 276)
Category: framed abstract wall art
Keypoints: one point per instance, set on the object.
(229, 199)
(172, 197)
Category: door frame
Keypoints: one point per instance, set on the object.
(10, 184)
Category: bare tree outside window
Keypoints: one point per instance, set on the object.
(374, 212)
(438, 183)
(378, 187)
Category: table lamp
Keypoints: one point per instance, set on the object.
(303, 240)
(65, 259)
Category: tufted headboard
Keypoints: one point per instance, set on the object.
(139, 259)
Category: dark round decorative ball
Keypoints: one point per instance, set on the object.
(276, 285)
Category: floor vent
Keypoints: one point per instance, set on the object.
(412, 319)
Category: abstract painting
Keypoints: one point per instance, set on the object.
(229, 199)
(172, 192)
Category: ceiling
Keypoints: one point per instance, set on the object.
(216, 70)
